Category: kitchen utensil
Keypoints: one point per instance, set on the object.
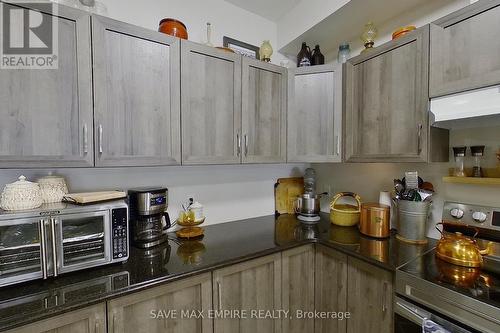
(93, 197)
(477, 152)
(412, 221)
(53, 188)
(304, 56)
(148, 216)
(411, 180)
(317, 57)
(286, 191)
(459, 154)
(173, 27)
(308, 204)
(375, 220)
(344, 214)
(21, 195)
(460, 250)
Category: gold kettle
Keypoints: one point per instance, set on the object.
(460, 250)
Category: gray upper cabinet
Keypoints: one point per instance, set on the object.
(47, 113)
(210, 105)
(263, 112)
(386, 101)
(137, 96)
(465, 49)
(314, 114)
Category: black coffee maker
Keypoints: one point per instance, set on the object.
(149, 219)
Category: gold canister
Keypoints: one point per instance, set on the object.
(375, 220)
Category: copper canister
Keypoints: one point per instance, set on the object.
(375, 220)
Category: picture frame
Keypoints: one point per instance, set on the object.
(242, 48)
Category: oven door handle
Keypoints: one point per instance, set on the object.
(53, 225)
(410, 311)
(43, 247)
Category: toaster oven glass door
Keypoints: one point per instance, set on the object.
(21, 255)
(83, 240)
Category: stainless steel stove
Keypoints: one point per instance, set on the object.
(459, 299)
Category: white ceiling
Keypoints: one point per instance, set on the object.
(270, 9)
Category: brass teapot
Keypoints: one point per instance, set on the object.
(460, 250)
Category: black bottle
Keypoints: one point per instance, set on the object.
(304, 56)
(317, 58)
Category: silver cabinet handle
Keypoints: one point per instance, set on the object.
(246, 145)
(85, 139)
(337, 145)
(54, 247)
(238, 143)
(43, 245)
(384, 297)
(419, 138)
(100, 139)
(219, 294)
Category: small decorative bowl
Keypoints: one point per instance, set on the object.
(53, 188)
(21, 195)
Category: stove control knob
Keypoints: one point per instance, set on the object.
(457, 213)
(479, 217)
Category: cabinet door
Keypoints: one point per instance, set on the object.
(465, 48)
(87, 320)
(387, 101)
(250, 286)
(47, 113)
(314, 114)
(136, 88)
(210, 105)
(263, 112)
(298, 288)
(160, 309)
(331, 289)
(370, 298)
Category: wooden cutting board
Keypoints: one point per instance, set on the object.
(286, 191)
(92, 197)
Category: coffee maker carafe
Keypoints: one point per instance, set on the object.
(149, 219)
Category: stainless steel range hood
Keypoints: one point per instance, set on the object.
(475, 108)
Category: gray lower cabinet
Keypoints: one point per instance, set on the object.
(369, 302)
(152, 310)
(297, 285)
(87, 320)
(386, 101)
(210, 105)
(465, 48)
(264, 89)
(46, 114)
(331, 289)
(137, 95)
(250, 286)
(314, 114)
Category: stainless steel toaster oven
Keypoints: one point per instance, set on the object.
(59, 238)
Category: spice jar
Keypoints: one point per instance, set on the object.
(459, 153)
(477, 153)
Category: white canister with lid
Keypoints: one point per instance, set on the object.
(53, 188)
(21, 195)
(197, 209)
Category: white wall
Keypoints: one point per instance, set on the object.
(368, 179)
(226, 19)
(227, 192)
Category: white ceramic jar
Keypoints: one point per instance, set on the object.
(53, 188)
(21, 195)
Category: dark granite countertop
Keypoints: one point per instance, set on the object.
(223, 244)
